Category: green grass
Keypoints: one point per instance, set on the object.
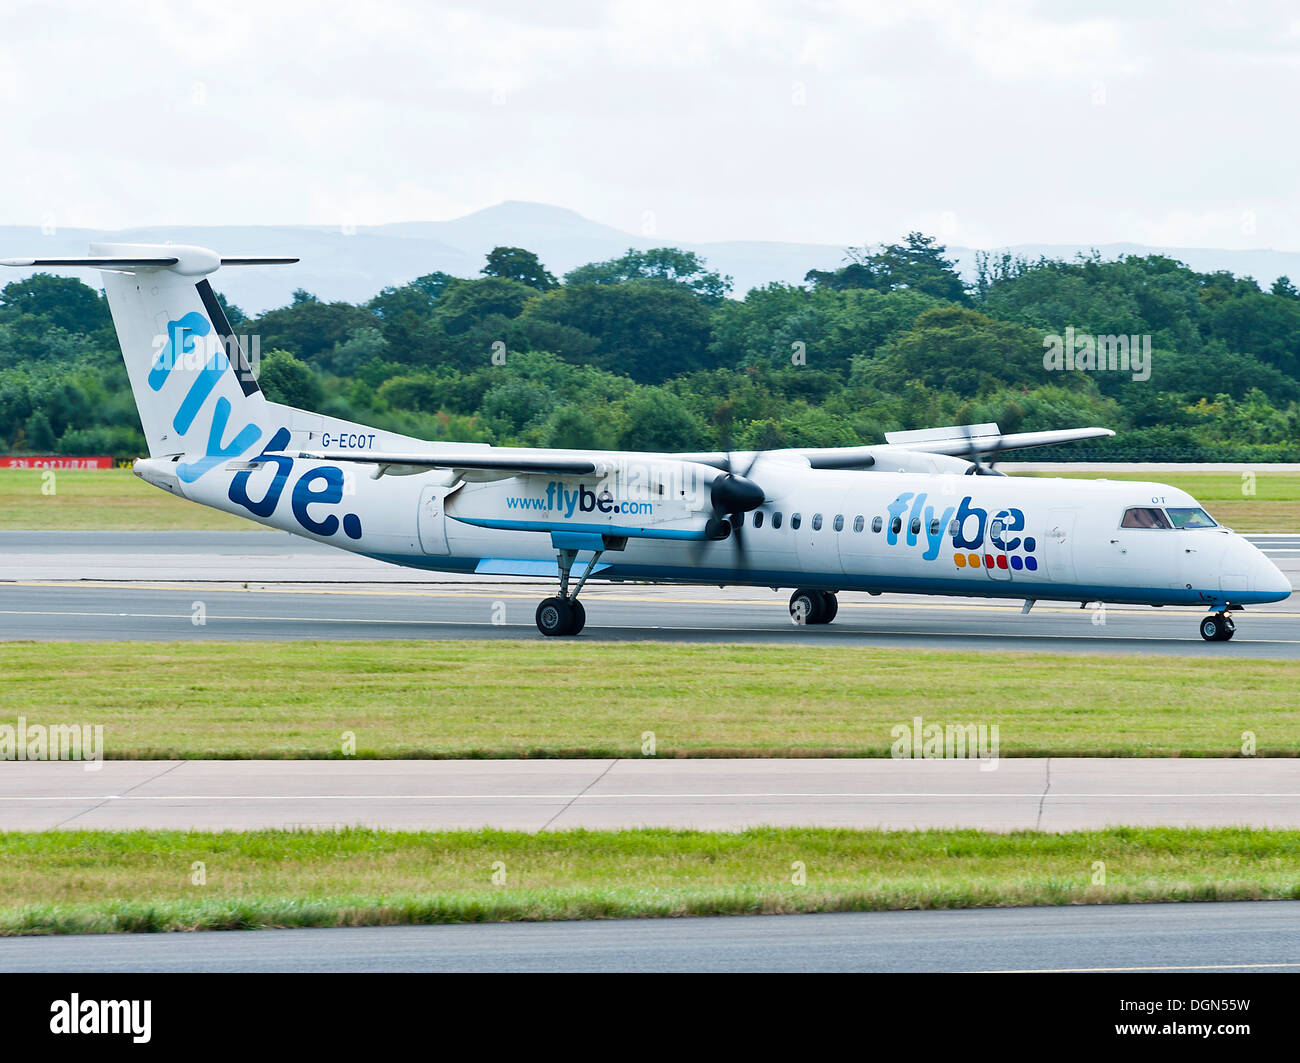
(101, 500)
(547, 699)
(116, 500)
(93, 881)
(1274, 506)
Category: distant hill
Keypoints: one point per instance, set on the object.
(354, 266)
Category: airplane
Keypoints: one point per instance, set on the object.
(922, 513)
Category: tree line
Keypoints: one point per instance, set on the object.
(651, 351)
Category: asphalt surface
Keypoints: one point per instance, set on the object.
(1012, 794)
(1226, 936)
(269, 585)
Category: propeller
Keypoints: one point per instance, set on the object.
(978, 468)
(732, 495)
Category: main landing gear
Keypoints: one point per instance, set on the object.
(813, 607)
(565, 615)
(1218, 627)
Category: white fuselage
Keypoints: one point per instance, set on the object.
(1008, 537)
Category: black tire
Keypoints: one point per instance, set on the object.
(579, 620)
(554, 617)
(1214, 628)
(807, 607)
(832, 605)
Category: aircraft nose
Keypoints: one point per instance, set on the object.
(1271, 580)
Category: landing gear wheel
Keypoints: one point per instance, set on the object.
(555, 617)
(1217, 627)
(808, 607)
(579, 620)
(832, 606)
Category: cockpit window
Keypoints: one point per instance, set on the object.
(1191, 517)
(1144, 517)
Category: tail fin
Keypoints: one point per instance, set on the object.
(193, 386)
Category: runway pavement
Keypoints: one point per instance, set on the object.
(531, 795)
(1250, 936)
(269, 585)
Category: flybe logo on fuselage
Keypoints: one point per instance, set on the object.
(977, 540)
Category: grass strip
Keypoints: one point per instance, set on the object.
(100, 882)
(476, 699)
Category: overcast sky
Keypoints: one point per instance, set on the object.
(986, 123)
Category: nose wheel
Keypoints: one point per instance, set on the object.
(565, 615)
(1218, 627)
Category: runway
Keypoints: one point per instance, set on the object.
(269, 585)
(1249, 936)
(531, 795)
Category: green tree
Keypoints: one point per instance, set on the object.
(965, 353)
(670, 265)
(467, 303)
(290, 380)
(517, 264)
(644, 329)
(916, 265)
(659, 421)
(63, 302)
(307, 328)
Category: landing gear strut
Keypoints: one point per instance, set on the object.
(1218, 627)
(813, 607)
(565, 615)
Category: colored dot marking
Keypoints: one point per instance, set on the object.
(1002, 560)
(959, 560)
(352, 525)
(1030, 543)
(1031, 563)
(974, 560)
(1017, 563)
(988, 561)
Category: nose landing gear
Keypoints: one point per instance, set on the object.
(1218, 627)
(565, 615)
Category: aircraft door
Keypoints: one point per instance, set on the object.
(432, 523)
(1058, 546)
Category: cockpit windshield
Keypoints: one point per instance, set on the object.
(1144, 517)
(1191, 517)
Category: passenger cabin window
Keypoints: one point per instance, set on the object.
(916, 525)
(1191, 518)
(758, 518)
(1144, 517)
(776, 519)
(839, 521)
(877, 524)
(795, 521)
(896, 525)
(934, 526)
(817, 522)
(859, 522)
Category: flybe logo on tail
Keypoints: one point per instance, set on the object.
(180, 342)
(977, 541)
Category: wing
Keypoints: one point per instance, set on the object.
(506, 461)
(957, 441)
